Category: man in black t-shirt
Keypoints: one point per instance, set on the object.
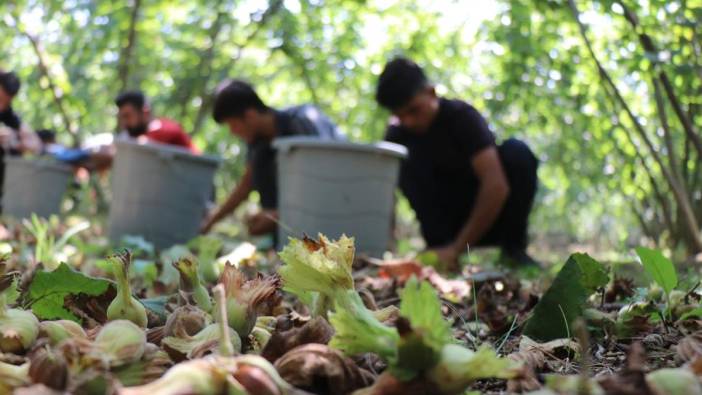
(464, 189)
(9, 86)
(249, 118)
(15, 138)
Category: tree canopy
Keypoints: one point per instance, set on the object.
(608, 93)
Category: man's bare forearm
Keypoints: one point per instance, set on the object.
(489, 203)
(240, 193)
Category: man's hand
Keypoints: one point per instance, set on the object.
(492, 195)
(262, 222)
(5, 136)
(448, 255)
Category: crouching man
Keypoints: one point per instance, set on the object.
(239, 107)
(464, 188)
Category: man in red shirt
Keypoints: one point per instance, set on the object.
(135, 117)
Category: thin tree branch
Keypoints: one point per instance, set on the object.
(675, 185)
(44, 69)
(650, 47)
(667, 138)
(204, 66)
(659, 196)
(204, 109)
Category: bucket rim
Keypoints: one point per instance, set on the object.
(40, 161)
(381, 147)
(155, 147)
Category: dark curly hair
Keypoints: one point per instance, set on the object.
(399, 82)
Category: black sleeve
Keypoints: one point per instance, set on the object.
(471, 131)
(264, 173)
(392, 134)
(10, 118)
(310, 120)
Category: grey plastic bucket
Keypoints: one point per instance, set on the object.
(337, 187)
(34, 186)
(159, 192)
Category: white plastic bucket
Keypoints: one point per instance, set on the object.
(33, 186)
(338, 187)
(159, 192)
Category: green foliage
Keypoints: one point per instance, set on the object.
(521, 63)
(659, 268)
(565, 299)
(47, 247)
(595, 275)
(47, 293)
(207, 249)
(317, 268)
(157, 306)
(137, 245)
(421, 306)
(696, 312)
(357, 330)
(426, 332)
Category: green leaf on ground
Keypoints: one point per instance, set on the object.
(595, 275)
(422, 306)
(157, 306)
(697, 312)
(660, 268)
(565, 300)
(46, 295)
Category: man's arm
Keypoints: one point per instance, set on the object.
(238, 195)
(492, 194)
(28, 140)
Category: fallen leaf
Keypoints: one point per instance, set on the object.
(690, 347)
(316, 330)
(552, 347)
(48, 292)
(632, 379)
(321, 370)
(564, 301)
(401, 270)
(621, 288)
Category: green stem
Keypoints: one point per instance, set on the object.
(123, 286)
(225, 342)
(3, 304)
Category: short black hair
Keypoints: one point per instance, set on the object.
(399, 82)
(133, 98)
(46, 136)
(233, 98)
(9, 82)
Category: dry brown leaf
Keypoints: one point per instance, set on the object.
(316, 330)
(620, 288)
(321, 370)
(524, 381)
(532, 359)
(401, 270)
(690, 347)
(632, 379)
